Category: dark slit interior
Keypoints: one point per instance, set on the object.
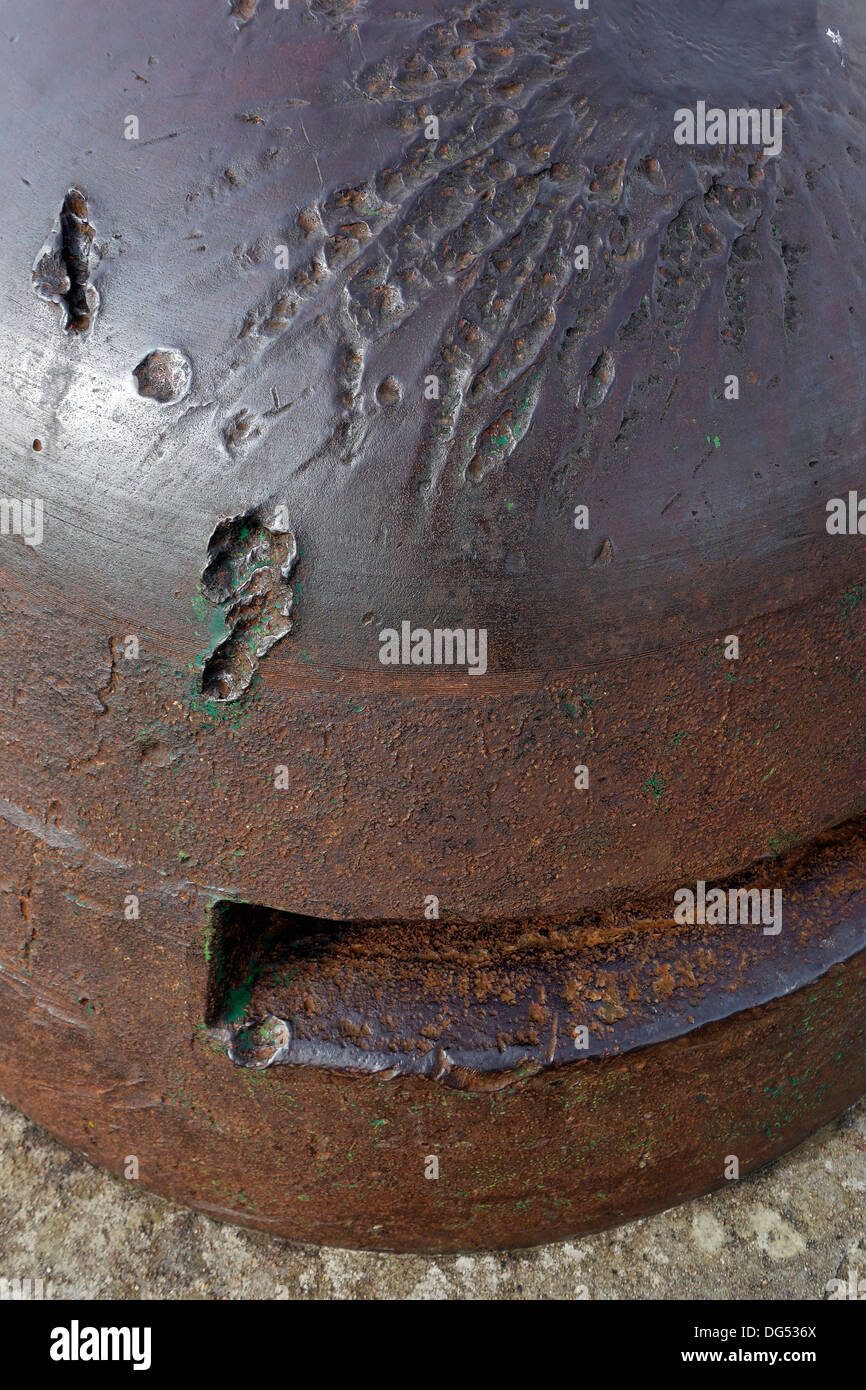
(248, 943)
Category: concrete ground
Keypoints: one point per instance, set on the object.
(783, 1233)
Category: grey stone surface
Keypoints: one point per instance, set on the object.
(782, 1233)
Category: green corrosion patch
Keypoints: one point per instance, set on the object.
(209, 627)
(655, 785)
(237, 999)
(243, 604)
(214, 714)
(850, 600)
(573, 705)
(590, 844)
(209, 624)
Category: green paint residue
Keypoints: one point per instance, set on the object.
(656, 785)
(237, 999)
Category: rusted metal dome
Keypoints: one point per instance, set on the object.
(431, 602)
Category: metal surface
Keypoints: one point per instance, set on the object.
(236, 264)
